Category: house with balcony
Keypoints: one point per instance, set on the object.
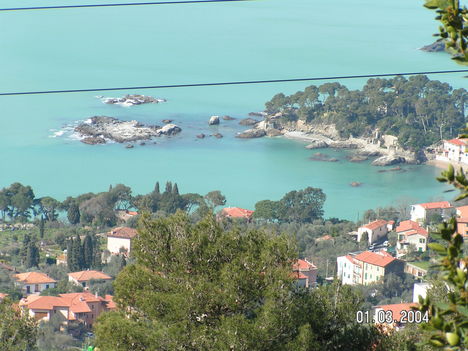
(80, 307)
(454, 150)
(348, 270)
(411, 236)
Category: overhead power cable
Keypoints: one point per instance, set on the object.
(116, 5)
(192, 85)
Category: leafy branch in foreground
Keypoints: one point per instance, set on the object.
(454, 29)
(449, 321)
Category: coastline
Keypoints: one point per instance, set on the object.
(444, 164)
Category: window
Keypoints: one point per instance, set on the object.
(92, 307)
(36, 288)
(84, 284)
(365, 276)
(422, 241)
(47, 286)
(28, 289)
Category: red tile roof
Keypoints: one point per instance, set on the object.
(434, 205)
(84, 276)
(397, 308)
(36, 302)
(456, 141)
(411, 228)
(110, 302)
(236, 212)
(34, 278)
(122, 232)
(350, 259)
(375, 224)
(303, 265)
(298, 275)
(2, 296)
(381, 259)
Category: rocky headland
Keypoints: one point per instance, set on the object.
(131, 100)
(437, 46)
(384, 148)
(101, 129)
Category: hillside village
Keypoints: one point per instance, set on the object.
(362, 268)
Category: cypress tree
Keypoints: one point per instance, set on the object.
(168, 187)
(41, 227)
(73, 213)
(77, 252)
(24, 248)
(156, 188)
(97, 261)
(175, 189)
(88, 252)
(70, 256)
(32, 256)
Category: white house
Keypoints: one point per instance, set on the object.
(420, 289)
(84, 278)
(34, 282)
(375, 230)
(422, 212)
(348, 270)
(411, 234)
(119, 240)
(454, 150)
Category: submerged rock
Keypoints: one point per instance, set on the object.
(217, 135)
(228, 118)
(251, 133)
(214, 120)
(355, 184)
(166, 121)
(258, 114)
(356, 158)
(201, 136)
(318, 156)
(93, 140)
(129, 146)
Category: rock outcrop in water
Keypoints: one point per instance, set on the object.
(99, 129)
(214, 120)
(131, 100)
(437, 46)
(251, 133)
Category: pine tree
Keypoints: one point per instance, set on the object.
(175, 189)
(156, 188)
(41, 227)
(32, 256)
(168, 187)
(88, 252)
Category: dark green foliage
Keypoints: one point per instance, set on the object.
(47, 207)
(214, 199)
(296, 206)
(88, 252)
(73, 213)
(454, 29)
(195, 287)
(16, 201)
(17, 332)
(32, 254)
(175, 189)
(168, 187)
(417, 110)
(41, 227)
(156, 188)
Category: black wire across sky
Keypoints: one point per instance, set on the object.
(153, 3)
(246, 82)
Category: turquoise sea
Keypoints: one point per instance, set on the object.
(177, 44)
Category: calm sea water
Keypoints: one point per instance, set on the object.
(172, 44)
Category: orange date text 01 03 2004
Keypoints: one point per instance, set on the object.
(387, 317)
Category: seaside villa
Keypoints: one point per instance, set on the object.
(422, 212)
(454, 150)
(34, 282)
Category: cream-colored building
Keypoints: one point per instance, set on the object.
(411, 235)
(422, 212)
(348, 270)
(375, 230)
(375, 265)
(119, 240)
(34, 282)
